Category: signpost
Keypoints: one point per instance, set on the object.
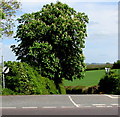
(5, 71)
(107, 70)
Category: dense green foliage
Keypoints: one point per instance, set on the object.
(82, 90)
(106, 83)
(7, 91)
(23, 79)
(45, 61)
(109, 83)
(59, 31)
(116, 65)
(8, 9)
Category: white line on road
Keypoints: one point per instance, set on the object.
(98, 104)
(73, 101)
(49, 107)
(8, 107)
(115, 104)
(111, 96)
(29, 107)
(108, 106)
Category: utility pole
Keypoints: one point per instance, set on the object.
(3, 79)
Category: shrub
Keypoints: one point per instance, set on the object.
(0, 88)
(90, 90)
(81, 89)
(62, 89)
(24, 79)
(109, 83)
(7, 91)
(74, 89)
(116, 65)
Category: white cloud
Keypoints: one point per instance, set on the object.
(104, 14)
(101, 44)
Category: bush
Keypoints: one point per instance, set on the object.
(62, 89)
(109, 83)
(81, 90)
(90, 90)
(116, 65)
(0, 88)
(24, 79)
(7, 91)
(73, 89)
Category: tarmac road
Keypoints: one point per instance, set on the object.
(60, 105)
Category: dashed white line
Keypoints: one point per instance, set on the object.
(98, 104)
(29, 107)
(8, 107)
(73, 101)
(49, 107)
(108, 106)
(112, 96)
(114, 104)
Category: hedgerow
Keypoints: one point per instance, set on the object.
(22, 78)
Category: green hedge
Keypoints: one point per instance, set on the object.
(81, 90)
(24, 79)
(98, 67)
(109, 84)
(116, 65)
(7, 91)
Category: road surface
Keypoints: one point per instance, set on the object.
(60, 105)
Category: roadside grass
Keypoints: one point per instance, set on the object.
(91, 78)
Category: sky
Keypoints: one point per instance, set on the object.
(102, 42)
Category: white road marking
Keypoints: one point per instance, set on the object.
(67, 107)
(49, 107)
(115, 104)
(73, 101)
(98, 104)
(108, 106)
(88, 95)
(8, 107)
(112, 96)
(29, 107)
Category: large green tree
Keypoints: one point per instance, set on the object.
(8, 8)
(64, 31)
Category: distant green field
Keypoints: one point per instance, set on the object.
(91, 78)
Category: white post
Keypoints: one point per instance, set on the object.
(3, 79)
(107, 70)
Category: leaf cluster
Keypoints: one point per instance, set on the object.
(24, 79)
(8, 9)
(116, 65)
(63, 30)
(109, 83)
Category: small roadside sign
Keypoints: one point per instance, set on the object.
(5, 70)
(107, 70)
